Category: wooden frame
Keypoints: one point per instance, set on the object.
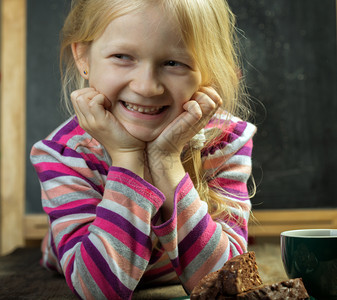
(264, 223)
(13, 123)
(269, 223)
(15, 226)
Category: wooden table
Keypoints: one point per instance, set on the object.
(21, 277)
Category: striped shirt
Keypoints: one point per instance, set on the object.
(104, 221)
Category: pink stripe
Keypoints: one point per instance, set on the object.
(135, 185)
(231, 184)
(93, 158)
(61, 226)
(74, 204)
(80, 231)
(96, 274)
(165, 228)
(70, 135)
(68, 274)
(208, 265)
(249, 144)
(238, 248)
(184, 189)
(130, 205)
(195, 248)
(123, 237)
(188, 212)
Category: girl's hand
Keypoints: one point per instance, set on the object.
(197, 114)
(163, 154)
(93, 111)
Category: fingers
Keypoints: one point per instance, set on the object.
(208, 100)
(203, 105)
(90, 107)
(193, 108)
(212, 94)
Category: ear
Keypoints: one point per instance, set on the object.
(80, 54)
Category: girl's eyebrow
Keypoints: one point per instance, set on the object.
(122, 46)
(116, 45)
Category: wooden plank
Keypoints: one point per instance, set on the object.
(273, 222)
(36, 226)
(12, 126)
(267, 223)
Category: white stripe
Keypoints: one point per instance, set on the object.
(192, 221)
(128, 215)
(128, 281)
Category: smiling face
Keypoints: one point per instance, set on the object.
(142, 66)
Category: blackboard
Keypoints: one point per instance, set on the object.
(44, 22)
(289, 62)
(289, 53)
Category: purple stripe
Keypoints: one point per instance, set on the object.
(238, 130)
(194, 235)
(48, 175)
(239, 230)
(175, 262)
(125, 225)
(82, 209)
(52, 243)
(156, 255)
(68, 245)
(97, 167)
(68, 152)
(70, 271)
(62, 149)
(247, 151)
(68, 128)
(103, 266)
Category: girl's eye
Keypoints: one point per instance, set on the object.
(122, 56)
(173, 63)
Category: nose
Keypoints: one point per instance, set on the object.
(146, 82)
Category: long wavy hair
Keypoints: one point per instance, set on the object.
(208, 30)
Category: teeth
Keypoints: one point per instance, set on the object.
(143, 109)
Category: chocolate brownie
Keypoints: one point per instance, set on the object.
(238, 275)
(290, 289)
(207, 288)
(239, 279)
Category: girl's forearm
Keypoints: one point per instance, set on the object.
(133, 161)
(166, 171)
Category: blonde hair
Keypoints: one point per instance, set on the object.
(208, 30)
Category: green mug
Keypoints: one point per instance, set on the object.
(312, 255)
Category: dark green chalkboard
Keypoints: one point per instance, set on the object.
(44, 22)
(290, 66)
(289, 49)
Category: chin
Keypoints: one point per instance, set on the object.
(143, 134)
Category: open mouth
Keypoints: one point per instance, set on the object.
(146, 110)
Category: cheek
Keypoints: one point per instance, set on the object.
(189, 87)
(106, 83)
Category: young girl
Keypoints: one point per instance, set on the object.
(147, 183)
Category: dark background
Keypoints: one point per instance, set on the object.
(289, 62)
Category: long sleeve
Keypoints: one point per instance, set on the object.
(196, 244)
(105, 221)
(100, 218)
